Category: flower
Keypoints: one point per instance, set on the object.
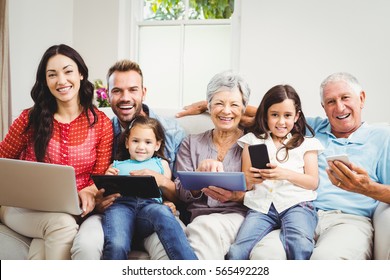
(101, 94)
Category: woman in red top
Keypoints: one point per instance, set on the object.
(62, 127)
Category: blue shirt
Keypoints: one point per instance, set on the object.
(369, 148)
(174, 135)
(128, 165)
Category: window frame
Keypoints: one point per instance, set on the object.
(137, 22)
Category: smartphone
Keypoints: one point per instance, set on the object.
(259, 156)
(343, 158)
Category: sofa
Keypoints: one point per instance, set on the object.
(14, 246)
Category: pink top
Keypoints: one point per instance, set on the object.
(87, 149)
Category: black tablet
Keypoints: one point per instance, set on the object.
(194, 180)
(126, 185)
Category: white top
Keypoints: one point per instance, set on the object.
(282, 193)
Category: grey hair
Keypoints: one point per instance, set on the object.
(341, 77)
(227, 80)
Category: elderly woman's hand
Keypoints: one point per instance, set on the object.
(210, 165)
(223, 195)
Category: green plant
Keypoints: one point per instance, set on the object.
(199, 9)
(214, 9)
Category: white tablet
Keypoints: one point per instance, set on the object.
(192, 180)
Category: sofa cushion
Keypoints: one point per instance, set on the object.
(13, 246)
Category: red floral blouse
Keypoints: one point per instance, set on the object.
(87, 149)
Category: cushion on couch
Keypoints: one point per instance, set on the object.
(13, 246)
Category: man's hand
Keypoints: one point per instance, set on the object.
(171, 206)
(350, 178)
(247, 121)
(193, 109)
(103, 202)
(196, 108)
(355, 179)
(248, 118)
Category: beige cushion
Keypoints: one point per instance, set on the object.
(13, 246)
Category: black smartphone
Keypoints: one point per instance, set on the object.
(259, 156)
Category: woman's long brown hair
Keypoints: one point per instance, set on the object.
(41, 115)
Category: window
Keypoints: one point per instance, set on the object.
(186, 9)
(180, 45)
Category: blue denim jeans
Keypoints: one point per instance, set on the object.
(132, 215)
(297, 226)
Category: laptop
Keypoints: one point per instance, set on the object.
(38, 186)
(194, 180)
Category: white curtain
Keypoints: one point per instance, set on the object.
(5, 97)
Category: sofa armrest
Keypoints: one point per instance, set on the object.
(381, 221)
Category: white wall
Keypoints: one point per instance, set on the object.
(298, 42)
(34, 26)
(100, 32)
(92, 27)
(301, 42)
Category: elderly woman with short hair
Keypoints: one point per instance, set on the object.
(216, 214)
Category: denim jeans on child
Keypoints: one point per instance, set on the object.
(130, 215)
(297, 226)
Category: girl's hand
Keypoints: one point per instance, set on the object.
(87, 199)
(112, 171)
(171, 206)
(275, 173)
(210, 165)
(252, 177)
(143, 172)
(147, 172)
